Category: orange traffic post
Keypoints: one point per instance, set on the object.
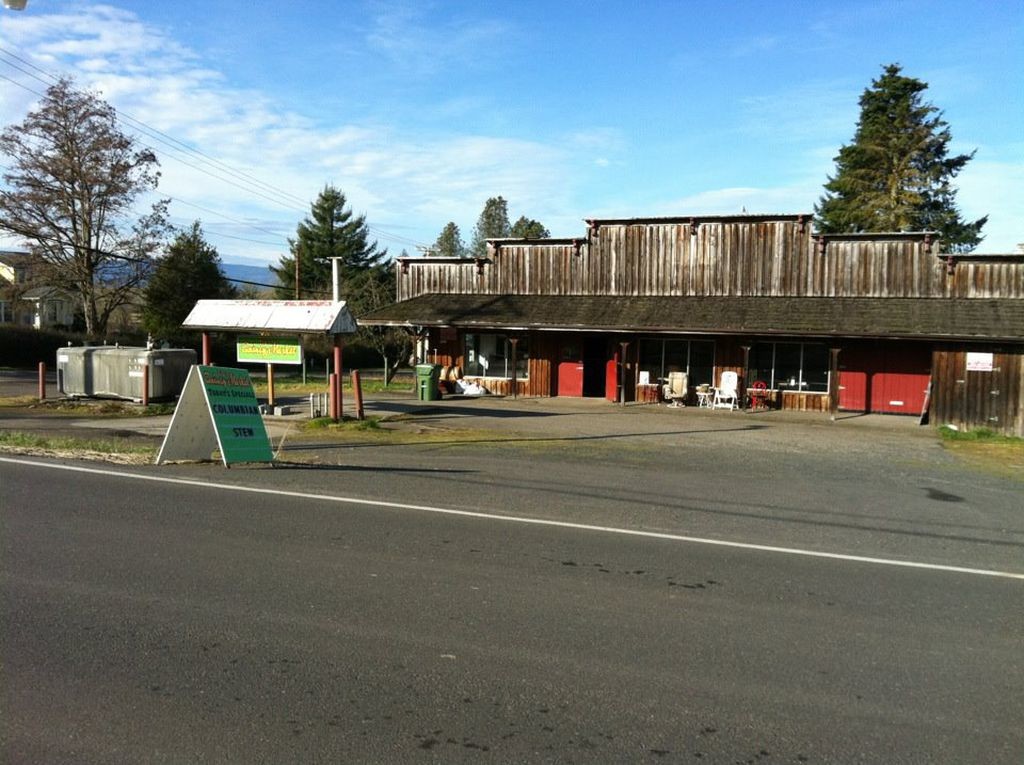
(332, 396)
(337, 379)
(42, 380)
(270, 385)
(206, 349)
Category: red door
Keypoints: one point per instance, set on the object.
(570, 370)
(853, 379)
(880, 378)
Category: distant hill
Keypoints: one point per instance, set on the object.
(248, 273)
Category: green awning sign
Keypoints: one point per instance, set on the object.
(269, 350)
(217, 410)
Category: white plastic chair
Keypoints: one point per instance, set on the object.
(675, 390)
(727, 394)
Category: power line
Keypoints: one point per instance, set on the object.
(178, 146)
(143, 261)
(155, 133)
(228, 218)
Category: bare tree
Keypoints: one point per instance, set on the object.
(394, 344)
(72, 186)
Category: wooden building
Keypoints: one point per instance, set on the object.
(858, 322)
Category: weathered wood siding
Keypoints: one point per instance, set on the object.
(744, 258)
(971, 400)
(986, 279)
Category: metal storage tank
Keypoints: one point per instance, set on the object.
(116, 372)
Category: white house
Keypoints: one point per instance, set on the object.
(34, 306)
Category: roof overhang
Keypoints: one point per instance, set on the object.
(987, 320)
(322, 317)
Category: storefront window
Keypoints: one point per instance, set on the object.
(490, 355)
(789, 366)
(815, 368)
(658, 357)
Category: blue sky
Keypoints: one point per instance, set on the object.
(420, 111)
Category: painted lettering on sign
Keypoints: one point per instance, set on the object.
(979, 362)
(269, 350)
(236, 415)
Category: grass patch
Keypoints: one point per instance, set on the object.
(17, 402)
(347, 425)
(86, 448)
(295, 387)
(987, 451)
(89, 407)
(978, 435)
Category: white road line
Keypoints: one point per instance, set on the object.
(526, 520)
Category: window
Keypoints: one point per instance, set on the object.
(487, 355)
(790, 366)
(658, 357)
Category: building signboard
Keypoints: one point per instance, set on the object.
(979, 362)
(269, 350)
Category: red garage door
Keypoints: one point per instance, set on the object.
(884, 377)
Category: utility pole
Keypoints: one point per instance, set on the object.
(335, 279)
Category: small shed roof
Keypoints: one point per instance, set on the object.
(303, 316)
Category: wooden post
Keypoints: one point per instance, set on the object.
(42, 380)
(206, 349)
(270, 385)
(357, 394)
(145, 384)
(743, 378)
(332, 396)
(515, 347)
(833, 383)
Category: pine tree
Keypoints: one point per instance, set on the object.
(492, 224)
(189, 271)
(329, 231)
(528, 228)
(896, 174)
(449, 244)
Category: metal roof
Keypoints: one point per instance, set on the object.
(304, 316)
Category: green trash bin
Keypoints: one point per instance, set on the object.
(428, 377)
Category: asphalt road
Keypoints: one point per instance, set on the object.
(148, 621)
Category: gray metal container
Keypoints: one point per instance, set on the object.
(117, 372)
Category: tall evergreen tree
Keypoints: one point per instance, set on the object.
(492, 224)
(329, 231)
(449, 244)
(528, 228)
(189, 271)
(896, 174)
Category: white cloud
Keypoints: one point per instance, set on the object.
(418, 38)
(409, 182)
(404, 184)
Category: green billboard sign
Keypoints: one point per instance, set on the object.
(269, 350)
